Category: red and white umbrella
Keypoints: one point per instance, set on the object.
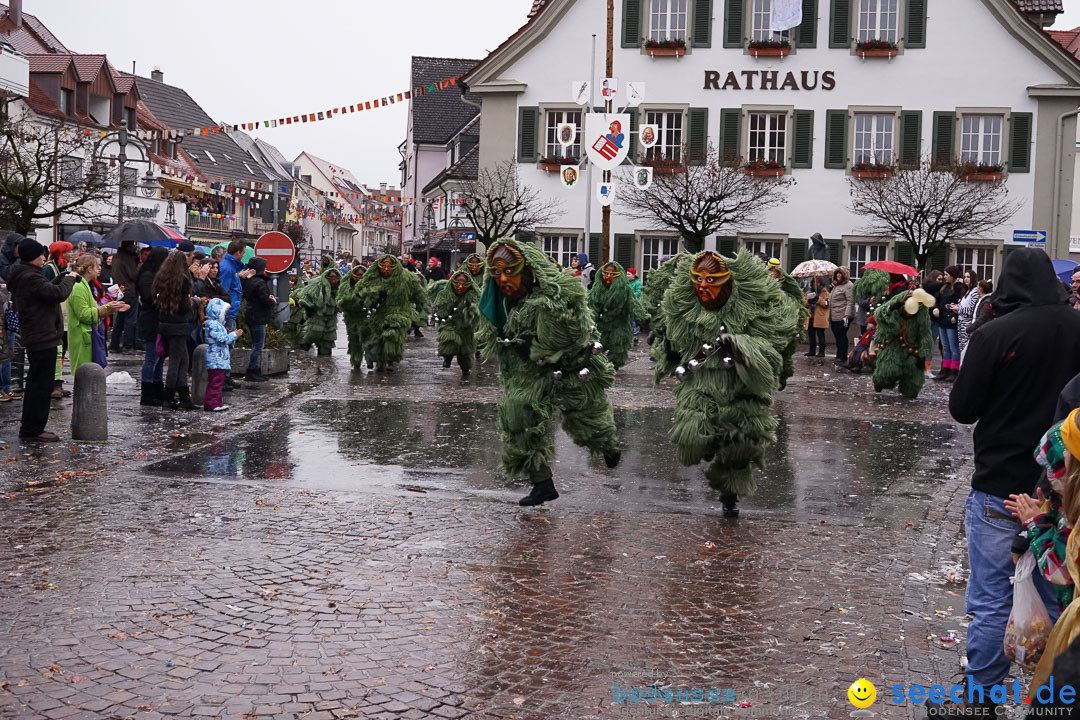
(813, 267)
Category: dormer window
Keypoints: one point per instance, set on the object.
(129, 118)
(67, 101)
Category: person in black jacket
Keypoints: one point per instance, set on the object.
(946, 311)
(176, 319)
(259, 308)
(42, 329)
(153, 367)
(1014, 369)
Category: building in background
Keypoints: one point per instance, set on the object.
(447, 232)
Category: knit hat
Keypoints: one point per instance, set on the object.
(30, 250)
(59, 248)
(954, 270)
(631, 271)
(186, 246)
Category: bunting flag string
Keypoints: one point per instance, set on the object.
(362, 106)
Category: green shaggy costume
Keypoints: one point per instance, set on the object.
(389, 304)
(729, 362)
(652, 292)
(352, 310)
(457, 318)
(873, 284)
(796, 303)
(318, 300)
(294, 326)
(544, 344)
(614, 308)
(903, 343)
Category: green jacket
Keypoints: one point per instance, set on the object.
(82, 313)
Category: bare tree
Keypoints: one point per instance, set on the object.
(930, 205)
(47, 170)
(697, 200)
(498, 205)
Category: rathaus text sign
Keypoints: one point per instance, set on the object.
(770, 80)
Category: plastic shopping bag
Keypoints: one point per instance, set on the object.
(1029, 623)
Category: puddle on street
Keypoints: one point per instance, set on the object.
(819, 466)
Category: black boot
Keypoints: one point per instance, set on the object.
(149, 396)
(159, 391)
(731, 502)
(611, 459)
(417, 333)
(171, 400)
(446, 361)
(370, 364)
(254, 377)
(465, 372)
(541, 493)
(185, 399)
(943, 375)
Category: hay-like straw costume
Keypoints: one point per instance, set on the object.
(318, 299)
(389, 304)
(457, 319)
(544, 345)
(614, 308)
(903, 342)
(352, 310)
(796, 303)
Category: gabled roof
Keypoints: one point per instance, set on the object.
(182, 165)
(343, 180)
(87, 67)
(437, 116)
(49, 63)
(32, 37)
(43, 104)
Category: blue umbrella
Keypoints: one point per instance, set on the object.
(1065, 269)
(91, 238)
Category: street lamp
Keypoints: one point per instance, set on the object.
(122, 138)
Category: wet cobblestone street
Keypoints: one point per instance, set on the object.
(340, 545)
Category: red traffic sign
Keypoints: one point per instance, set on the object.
(277, 249)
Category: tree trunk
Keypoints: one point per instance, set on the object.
(694, 243)
(23, 224)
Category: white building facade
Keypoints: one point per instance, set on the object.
(967, 81)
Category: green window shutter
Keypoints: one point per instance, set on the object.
(631, 23)
(528, 132)
(836, 250)
(1020, 125)
(594, 247)
(796, 252)
(727, 245)
(944, 147)
(734, 23)
(940, 257)
(806, 35)
(840, 24)
(802, 144)
(525, 237)
(911, 139)
(904, 252)
(624, 250)
(836, 139)
(730, 122)
(632, 137)
(915, 26)
(697, 143)
(702, 19)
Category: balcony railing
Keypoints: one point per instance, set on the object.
(215, 224)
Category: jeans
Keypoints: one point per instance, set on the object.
(950, 348)
(990, 533)
(178, 362)
(5, 376)
(39, 386)
(935, 334)
(817, 340)
(153, 367)
(131, 327)
(839, 332)
(258, 339)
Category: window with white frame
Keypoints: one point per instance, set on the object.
(759, 247)
(768, 137)
(667, 20)
(980, 142)
(761, 20)
(979, 260)
(874, 139)
(670, 137)
(552, 146)
(878, 20)
(655, 249)
(561, 247)
(861, 253)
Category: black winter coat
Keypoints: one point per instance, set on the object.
(181, 322)
(148, 313)
(38, 300)
(949, 295)
(259, 308)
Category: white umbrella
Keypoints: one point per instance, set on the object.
(813, 267)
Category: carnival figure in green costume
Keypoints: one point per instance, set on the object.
(389, 295)
(903, 342)
(727, 323)
(614, 309)
(793, 295)
(474, 264)
(318, 300)
(352, 310)
(540, 330)
(457, 318)
(294, 326)
(652, 295)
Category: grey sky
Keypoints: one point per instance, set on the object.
(248, 60)
(1070, 18)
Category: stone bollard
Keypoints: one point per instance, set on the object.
(198, 376)
(90, 414)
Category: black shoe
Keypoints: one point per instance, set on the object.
(229, 384)
(417, 333)
(541, 493)
(370, 365)
(171, 399)
(731, 502)
(254, 377)
(148, 395)
(184, 402)
(810, 354)
(465, 372)
(159, 391)
(612, 459)
(942, 376)
(446, 362)
(821, 354)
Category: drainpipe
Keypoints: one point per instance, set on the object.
(1056, 198)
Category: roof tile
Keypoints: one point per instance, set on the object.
(1035, 6)
(437, 116)
(49, 63)
(32, 37)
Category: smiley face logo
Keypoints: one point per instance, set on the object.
(862, 693)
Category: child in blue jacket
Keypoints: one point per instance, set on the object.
(218, 354)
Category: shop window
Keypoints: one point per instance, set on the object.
(981, 139)
(768, 137)
(667, 20)
(979, 260)
(669, 143)
(761, 20)
(874, 139)
(561, 247)
(862, 253)
(552, 146)
(879, 20)
(655, 249)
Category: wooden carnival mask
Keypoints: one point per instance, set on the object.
(609, 274)
(508, 268)
(475, 264)
(386, 266)
(712, 280)
(460, 283)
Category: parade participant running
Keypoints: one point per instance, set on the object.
(389, 295)
(457, 318)
(652, 294)
(791, 289)
(614, 309)
(318, 299)
(727, 322)
(540, 330)
(475, 265)
(353, 312)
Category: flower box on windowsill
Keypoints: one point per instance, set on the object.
(666, 52)
(765, 172)
(875, 174)
(877, 53)
(981, 177)
(551, 167)
(770, 52)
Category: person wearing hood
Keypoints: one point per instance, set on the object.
(258, 311)
(153, 367)
(585, 270)
(318, 299)
(615, 309)
(219, 342)
(389, 295)
(42, 327)
(9, 253)
(1013, 372)
(125, 269)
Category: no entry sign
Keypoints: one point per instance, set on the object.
(277, 249)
